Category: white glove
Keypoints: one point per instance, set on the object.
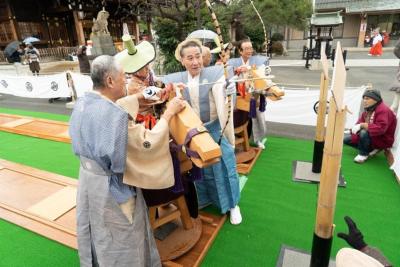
(267, 70)
(356, 128)
(150, 93)
(230, 88)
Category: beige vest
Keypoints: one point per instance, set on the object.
(148, 161)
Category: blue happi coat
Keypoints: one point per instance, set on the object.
(256, 60)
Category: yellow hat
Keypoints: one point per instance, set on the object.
(178, 48)
(133, 58)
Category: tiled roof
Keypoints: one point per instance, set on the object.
(357, 6)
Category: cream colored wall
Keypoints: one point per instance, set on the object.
(351, 26)
(296, 34)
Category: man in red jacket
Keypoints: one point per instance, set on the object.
(375, 128)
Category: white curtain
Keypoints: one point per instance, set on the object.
(82, 83)
(296, 107)
(46, 86)
(396, 148)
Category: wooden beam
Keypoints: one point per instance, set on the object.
(363, 29)
(149, 29)
(11, 17)
(136, 32)
(78, 28)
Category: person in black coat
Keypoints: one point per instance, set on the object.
(83, 59)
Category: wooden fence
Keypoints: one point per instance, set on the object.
(49, 54)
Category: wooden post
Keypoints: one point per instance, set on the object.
(79, 29)
(323, 231)
(11, 17)
(320, 128)
(363, 29)
(136, 32)
(149, 29)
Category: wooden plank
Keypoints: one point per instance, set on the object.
(64, 134)
(15, 123)
(40, 128)
(245, 156)
(43, 228)
(39, 174)
(210, 229)
(171, 264)
(63, 229)
(245, 168)
(4, 118)
(56, 204)
(208, 150)
(20, 186)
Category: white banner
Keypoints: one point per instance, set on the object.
(82, 83)
(296, 107)
(396, 147)
(49, 86)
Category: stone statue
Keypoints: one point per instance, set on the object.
(100, 24)
(102, 40)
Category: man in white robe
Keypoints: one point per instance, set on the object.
(242, 64)
(206, 93)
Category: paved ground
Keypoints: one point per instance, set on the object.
(289, 73)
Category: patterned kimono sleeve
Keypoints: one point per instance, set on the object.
(120, 140)
(111, 140)
(98, 130)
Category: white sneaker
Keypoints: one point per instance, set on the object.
(260, 145)
(360, 159)
(235, 216)
(374, 152)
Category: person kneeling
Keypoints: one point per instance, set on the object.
(374, 130)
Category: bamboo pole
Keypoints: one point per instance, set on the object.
(323, 232)
(323, 95)
(320, 128)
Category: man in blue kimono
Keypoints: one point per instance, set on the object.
(206, 93)
(113, 228)
(241, 65)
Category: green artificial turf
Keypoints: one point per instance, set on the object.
(278, 211)
(275, 209)
(41, 115)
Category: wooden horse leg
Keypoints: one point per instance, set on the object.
(185, 216)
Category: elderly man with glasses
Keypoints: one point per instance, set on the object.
(257, 125)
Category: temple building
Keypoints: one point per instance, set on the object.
(65, 22)
(360, 17)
